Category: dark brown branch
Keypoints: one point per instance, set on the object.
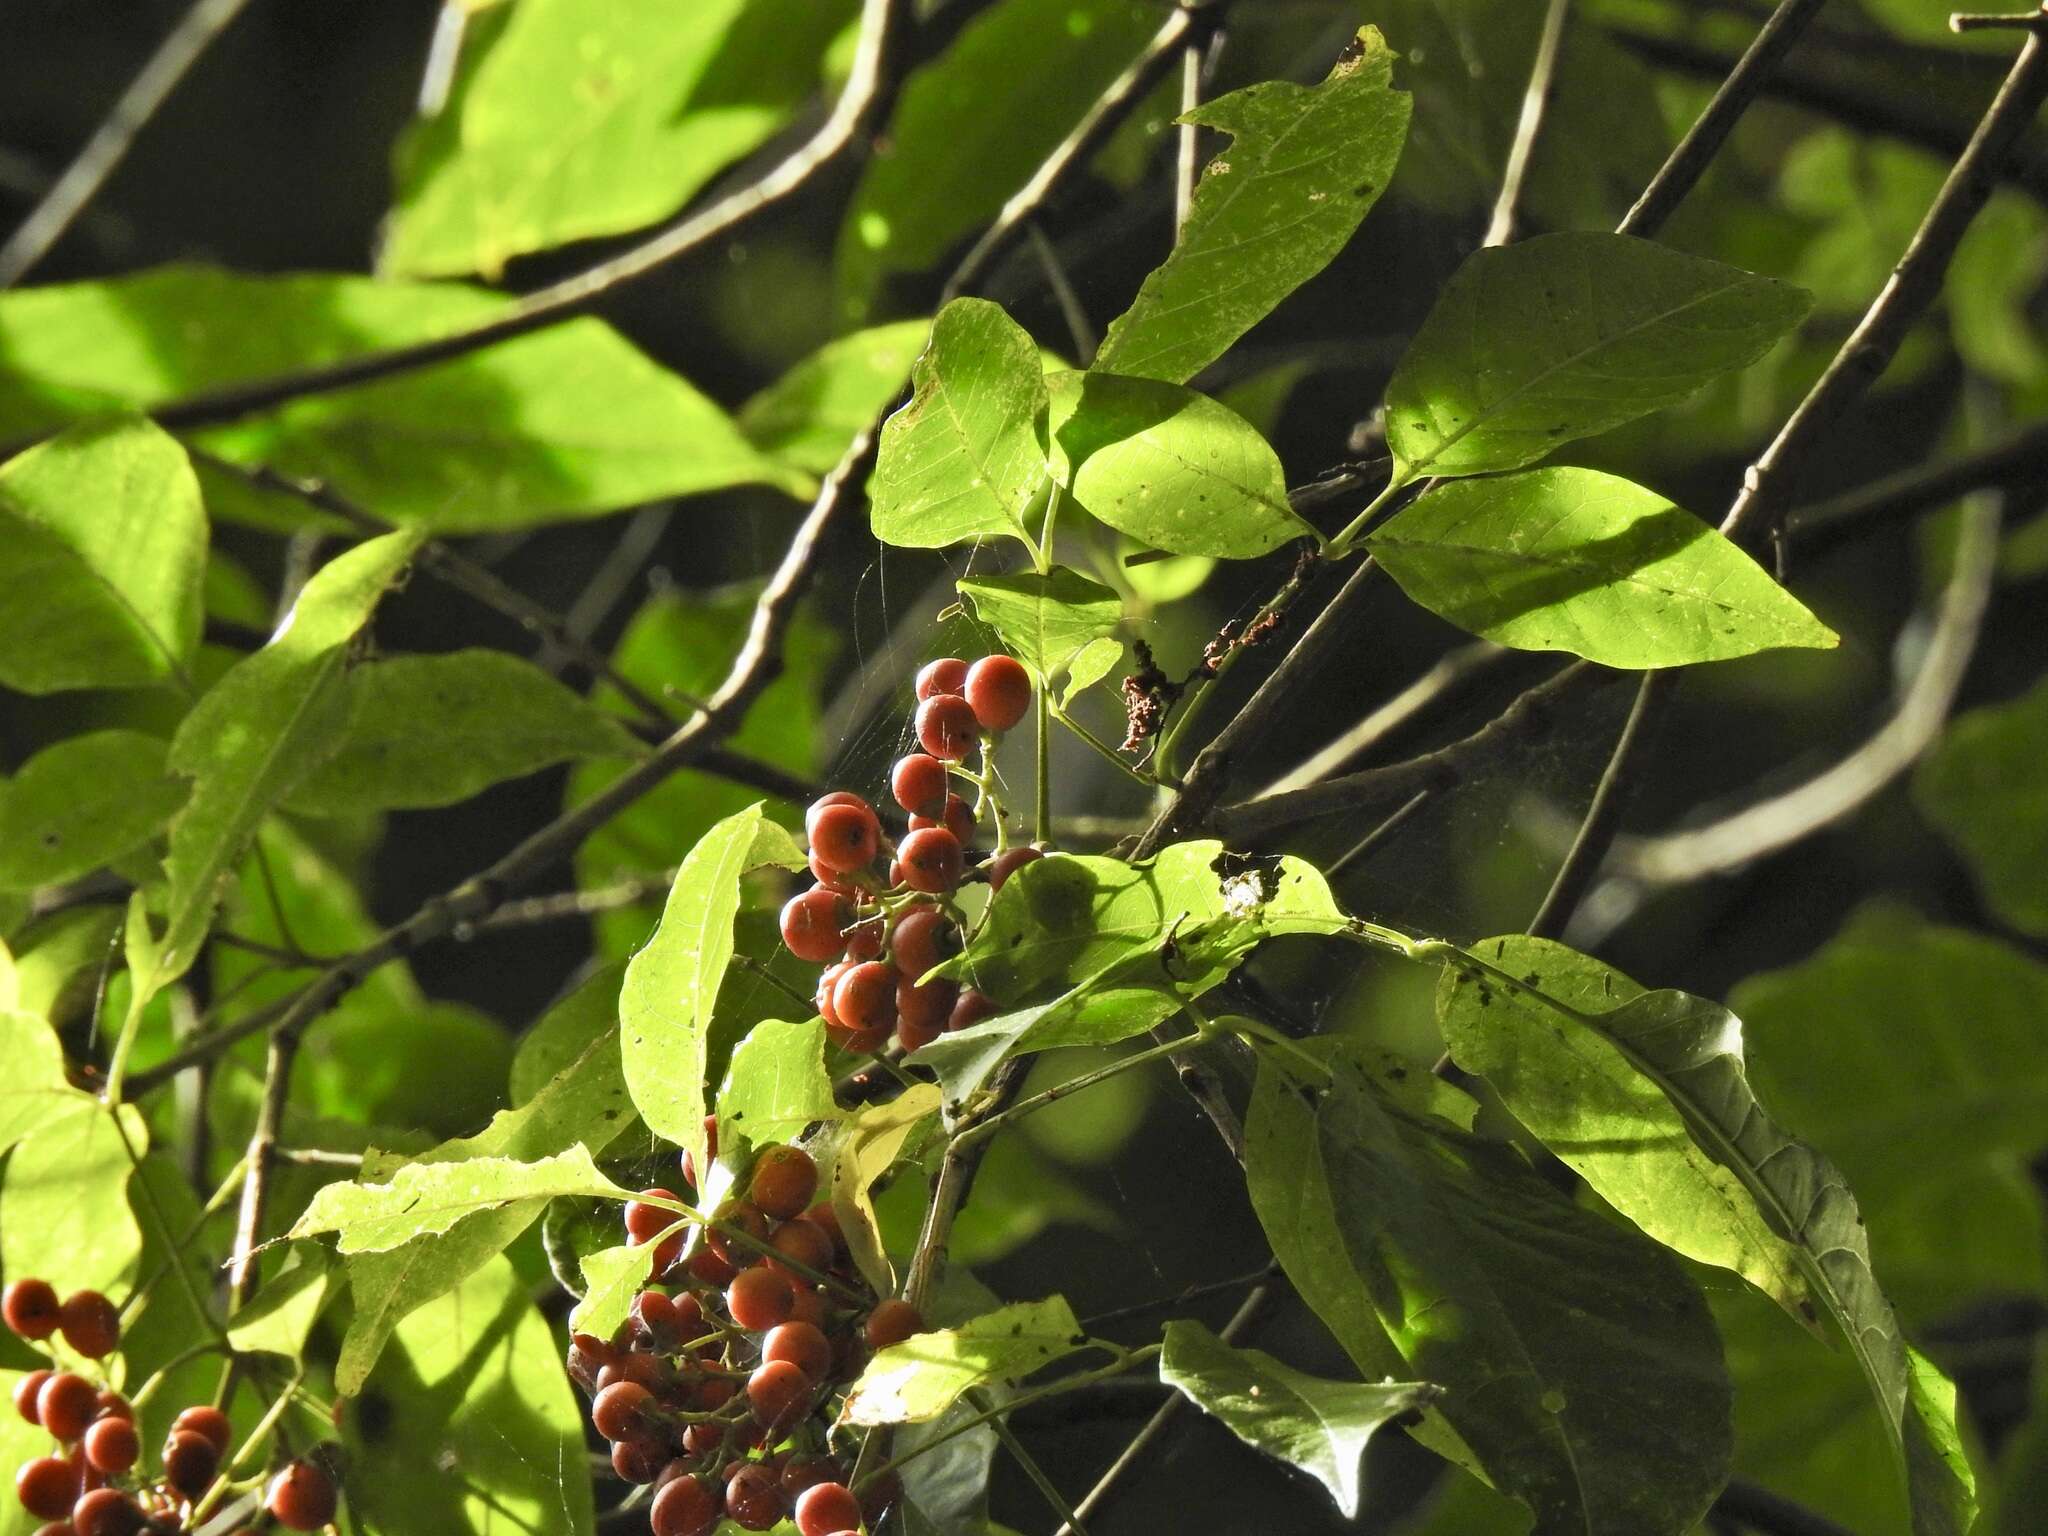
(867, 91)
(1925, 488)
(1757, 1507)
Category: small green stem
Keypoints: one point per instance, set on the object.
(257, 1436)
(1355, 529)
(1105, 750)
(986, 1128)
(162, 1373)
(1029, 1463)
(1284, 1044)
(1042, 791)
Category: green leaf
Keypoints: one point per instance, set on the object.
(1173, 469)
(776, 1083)
(582, 1102)
(859, 1150)
(672, 985)
(564, 1035)
(1089, 666)
(571, 421)
(1579, 1365)
(478, 1377)
(257, 732)
(1982, 786)
(438, 1067)
(1692, 1050)
(1898, 1036)
(568, 122)
(1583, 1098)
(1047, 621)
(103, 555)
(966, 456)
(923, 1376)
(612, 1278)
(1304, 167)
(809, 416)
(280, 1316)
(1563, 335)
(424, 1199)
(1579, 561)
(434, 730)
(974, 124)
(83, 803)
(1317, 1425)
(57, 961)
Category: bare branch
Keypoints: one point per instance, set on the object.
(1529, 126)
(2011, 462)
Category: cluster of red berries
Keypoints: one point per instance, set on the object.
(881, 915)
(90, 1487)
(716, 1388)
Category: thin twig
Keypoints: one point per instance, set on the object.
(1187, 163)
(110, 142)
(1610, 802)
(563, 906)
(1367, 845)
(869, 85)
(2013, 461)
(1529, 126)
(1072, 311)
(1181, 1298)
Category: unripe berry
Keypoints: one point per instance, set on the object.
(753, 1499)
(30, 1307)
(67, 1404)
(813, 924)
(301, 1497)
(47, 1487)
(803, 1345)
(999, 691)
(946, 726)
(826, 1509)
(207, 1422)
(778, 1392)
(932, 860)
(622, 1410)
(920, 784)
(112, 1446)
(1008, 862)
(892, 1322)
(974, 1006)
(946, 675)
(864, 998)
(684, 1507)
(845, 837)
(26, 1391)
(90, 1323)
(106, 1512)
(784, 1181)
(759, 1298)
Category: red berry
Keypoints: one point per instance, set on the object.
(822, 1215)
(26, 1391)
(67, 1404)
(301, 1497)
(190, 1462)
(946, 675)
(1008, 862)
(778, 1392)
(946, 726)
(656, 1322)
(803, 1345)
(914, 1036)
(925, 1009)
(646, 1222)
(826, 1509)
(639, 1460)
(112, 1446)
(920, 784)
(753, 1499)
(845, 837)
(809, 1308)
(924, 937)
(974, 1006)
(106, 1512)
(814, 922)
(958, 819)
(47, 1487)
(30, 1307)
(90, 1323)
(622, 1410)
(784, 1182)
(864, 940)
(708, 1267)
(932, 860)
(739, 1216)
(685, 1507)
(588, 1355)
(825, 874)
(864, 998)
(804, 1243)
(759, 1298)
(114, 1406)
(892, 1322)
(836, 797)
(806, 1470)
(999, 690)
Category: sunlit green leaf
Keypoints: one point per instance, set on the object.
(424, 1199)
(612, 1277)
(1563, 335)
(966, 456)
(923, 1376)
(1579, 1365)
(280, 1316)
(1304, 167)
(1047, 621)
(569, 122)
(1983, 786)
(432, 730)
(809, 415)
(1173, 469)
(860, 1149)
(82, 802)
(777, 1083)
(102, 555)
(1317, 1425)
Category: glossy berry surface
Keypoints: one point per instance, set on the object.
(301, 1497)
(760, 1298)
(209, 1423)
(777, 1392)
(826, 1509)
(957, 818)
(805, 1243)
(784, 1182)
(106, 1512)
(892, 1322)
(973, 1007)
(946, 675)
(924, 938)
(90, 1324)
(823, 803)
(803, 1345)
(920, 784)
(645, 1222)
(753, 1499)
(621, 1410)
(26, 1391)
(684, 1507)
(30, 1308)
(932, 860)
(845, 837)
(946, 727)
(190, 1462)
(67, 1404)
(112, 1446)
(864, 998)
(814, 924)
(1008, 862)
(998, 689)
(47, 1487)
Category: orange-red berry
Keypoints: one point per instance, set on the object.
(90, 1324)
(892, 1322)
(1008, 862)
(30, 1308)
(920, 784)
(864, 998)
(932, 860)
(760, 1298)
(301, 1497)
(946, 726)
(845, 837)
(999, 691)
(803, 1345)
(814, 924)
(784, 1182)
(825, 1509)
(66, 1404)
(946, 675)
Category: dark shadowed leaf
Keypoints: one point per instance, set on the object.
(1982, 786)
(79, 803)
(808, 416)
